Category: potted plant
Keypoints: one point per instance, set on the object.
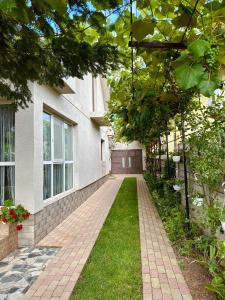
(10, 214)
(198, 200)
(177, 184)
(176, 157)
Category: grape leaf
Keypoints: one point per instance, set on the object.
(140, 29)
(199, 47)
(189, 75)
(7, 4)
(184, 20)
(207, 87)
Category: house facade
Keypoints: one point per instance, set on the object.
(55, 153)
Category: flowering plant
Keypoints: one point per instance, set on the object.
(10, 214)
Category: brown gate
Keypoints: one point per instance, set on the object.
(127, 162)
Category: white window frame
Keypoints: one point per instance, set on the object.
(62, 161)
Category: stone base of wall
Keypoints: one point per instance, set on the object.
(40, 224)
(8, 239)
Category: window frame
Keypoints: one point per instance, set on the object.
(62, 161)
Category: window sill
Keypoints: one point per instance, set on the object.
(58, 197)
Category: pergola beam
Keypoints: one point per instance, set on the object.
(157, 45)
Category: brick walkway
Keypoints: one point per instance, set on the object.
(162, 277)
(77, 236)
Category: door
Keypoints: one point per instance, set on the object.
(127, 161)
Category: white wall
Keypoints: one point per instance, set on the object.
(127, 146)
(74, 108)
(28, 158)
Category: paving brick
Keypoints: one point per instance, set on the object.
(57, 281)
(159, 263)
(162, 278)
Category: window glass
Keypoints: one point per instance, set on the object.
(58, 139)
(47, 137)
(47, 181)
(7, 154)
(7, 134)
(58, 168)
(7, 183)
(68, 176)
(57, 179)
(68, 142)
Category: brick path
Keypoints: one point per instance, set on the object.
(77, 236)
(162, 277)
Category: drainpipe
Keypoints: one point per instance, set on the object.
(167, 151)
(185, 172)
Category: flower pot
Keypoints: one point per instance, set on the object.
(198, 201)
(223, 225)
(4, 229)
(177, 187)
(176, 158)
(163, 156)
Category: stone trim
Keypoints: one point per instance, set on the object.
(44, 221)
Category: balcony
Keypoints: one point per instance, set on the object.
(98, 118)
(68, 87)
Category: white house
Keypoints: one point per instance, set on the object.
(54, 153)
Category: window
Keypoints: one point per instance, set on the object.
(57, 156)
(7, 154)
(102, 150)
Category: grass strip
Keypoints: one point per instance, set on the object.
(113, 270)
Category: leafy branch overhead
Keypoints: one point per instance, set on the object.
(165, 80)
(45, 41)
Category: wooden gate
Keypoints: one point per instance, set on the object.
(127, 161)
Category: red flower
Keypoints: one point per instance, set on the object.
(4, 220)
(26, 215)
(12, 211)
(19, 227)
(14, 216)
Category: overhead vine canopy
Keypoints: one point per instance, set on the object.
(47, 40)
(179, 54)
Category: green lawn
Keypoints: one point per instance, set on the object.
(113, 270)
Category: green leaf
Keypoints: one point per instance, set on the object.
(221, 56)
(207, 87)
(140, 29)
(214, 5)
(184, 58)
(217, 280)
(97, 19)
(59, 5)
(106, 4)
(142, 4)
(183, 20)
(8, 202)
(7, 4)
(188, 76)
(199, 47)
(220, 15)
